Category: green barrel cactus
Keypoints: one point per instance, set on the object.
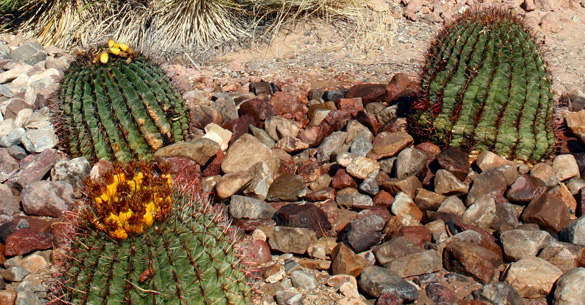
(187, 258)
(120, 110)
(485, 85)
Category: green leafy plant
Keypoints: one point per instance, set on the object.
(120, 109)
(485, 85)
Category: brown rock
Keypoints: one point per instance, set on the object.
(548, 212)
(395, 248)
(342, 180)
(289, 105)
(186, 173)
(286, 187)
(8, 297)
(303, 216)
(232, 183)
(407, 185)
(367, 92)
(200, 150)
(532, 277)
(455, 161)
(25, 241)
(389, 144)
(419, 235)
(254, 252)
(246, 152)
(33, 168)
(525, 189)
(351, 105)
(383, 199)
(201, 115)
(317, 264)
(258, 109)
(310, 170)
(398, 87)
(447, 184)
(291, 240)
(471, 259)
(440, 294)
(345, 261)
(239, 126)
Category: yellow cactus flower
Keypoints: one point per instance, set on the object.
(119, 234)
(123, 47)
(111, 43)
(115, 51)
(116, 45)
(104, 58)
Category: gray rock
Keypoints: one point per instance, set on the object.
(452, 205)
(303, 279)
(14, 274)
(518, 244)
(386, 165)
(498, 293)
(291, 265)
(47, 198)
(395, 248)
(410, 162)
(72, 171)
(12, 138)
(481, 213)
(361, 234)
(375, 281)
(353, 199)
(506, 217)
(8, 165)
(17, 152)
(226, 105)
(447, 184)
(6, 126)
(566, 256)
(38, 140)
(575, 184)
(356, 130)
(5, 91)
(34, 168)
(532, 277)
(250, 208)
(8, 204)
(262, 136)
(332, 143)
(370, 184)
(291, 240)
(30, 53)
(30, 293)
(361, 146)
(416, 263)
(565, 167)
(289, 297)
(12, 74)
(287, 187)
(490, 182)
(570, 289)
(574, 232)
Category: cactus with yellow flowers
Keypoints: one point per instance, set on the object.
(186, 257)
(120, 109)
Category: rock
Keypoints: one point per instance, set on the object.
(453, 205)
(213, 167)
(8, 297)
(25, 241)
(416, 263)
(395, 248)
(408, 185)
(291, 240)
(287, 187)
(279, 127)
(367, 92)
(498, 293)
(317, 264)
(481, 213)
(565, 167)
(258, 109)
(226, 105)
(350, 105)
(370, 184)
(573, 233)
(306, 215)
(288, 297)
(14, 274)
(262, 136)
(201, 115)
(410, 162)
(525, 189)
(8, 165)
(428, 200)
(232, 183)
(39, 140)
(12, 74)
(361, 146)
(490, 182)
(288, 104)
(34, 262)
(13, 137)
(291, 145)
(447, 184)
(528, 5)
(549, 22)
(545, 173)
(200, 150)
(362, 167)
(375, 281)
(471, 259)
(262, 88)
(327, 193)
(455, 161)
(330, 144)
(518, 244)
(217, 134)
(254, 253)
(303, 279)
(388, 144)
(510, 172)
(250, 208)
(30, 53)
(383, 199)
(403, 205)
(532, 277)
(569, 288)
(72, 171)
(506, 218)
(564, 194)
(549, 212)
(345, 261)
(47, 198)
(339, 279)
(440, 294)
(563, 255)
(9, 206)
(361, 234)
(351, 198)
(342, 180)
(247, 151)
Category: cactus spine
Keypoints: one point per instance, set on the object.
(485, 85)
(122, 110)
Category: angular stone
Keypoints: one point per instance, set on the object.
(201, 115)
(290, 144)
(291, 240)
(34, 262)
(200, 150)
(487, 159)
(327, 193)
(361, 146)
(247, 151)
(455, 161)
(351, 105)
(303, 279)
(254, 252)
(545, 173)
(288, 104)
(565, 167)
(342, 180)
(570, 289)
(440, 295)
(383, 199)
(351, 198)
(306, 215)
(8, 164)
(410, 162)
(362, 167)
(345, 261)
(258, 109)
(532, 277)
(490, 182)
(8, 204)
(498, 293)
(428, 200)
(361, 234)
(375, 281)
(30, 53)
(217, 134)
(566, 256)
(72, 171)
(8, 297)
(481, 213)
(332, 143)
(286, 187)
(14, 274)
(47, 198)
(452, 204)
(13, 137)
(232, 183)
(420, 235)
(447, 184)
(416, 264)
(506, 218)
(25, 241)
(388, 144)
(370, 184)
(39, 140)
(548, 212)
(395, 248)
(403, 205)
(367, 92)
(279, 127)
(518, 244)
(250, 208)
(564, 194)
(525, 189)
(408, 185)
(471, 259)
(34, 168)
(573, 233)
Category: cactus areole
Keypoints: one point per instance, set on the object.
(485, 86)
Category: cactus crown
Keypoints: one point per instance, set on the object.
(485, 85)
(119, 106)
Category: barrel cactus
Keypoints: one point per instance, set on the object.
(119, 108)
(186, 258)
(485, 85)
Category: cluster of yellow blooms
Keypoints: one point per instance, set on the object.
(130, 202)
(117, 49)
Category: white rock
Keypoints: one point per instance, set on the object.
(570, 289)
(13, 73)
(37, 140)
(218, 134)
(565, 167)
(533, 277)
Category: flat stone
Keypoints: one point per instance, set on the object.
(362, 167)
(351, 198)
(471, 259)
(498, 293)
(525, 189)
(428, 200)
(408, 186)
(361, 146)
(288, 104)
(34, 168)
(566, 256)
(549, 212)
(342, 180)
(39, 140)
(395, 248)
(565, 167)
(532, 277)
(262, 136)
(455, 161)
(452, 204)
(232, 183)
(569, 288)
(307, 215)
(518, 244)
(247, 151)
(47, 198)
(403, 205)
(490, 182)
(303, 279)
(291, 240)
(287, 297)
(331, 143)
(410, 162)
(14, 274)
(362, 233)
(250, 208)
(447, 184)
(34, 262)
(487, 159)
(30, 53)
(545, 173)
(254, 252)
(13, 137)
(200, 150)
(258, 109)
(416, 263)
(25, 241)
(388, 144)
(327, 193)
(217, 134)
(506, 217)
(375, 281)
(287, 187)
(12, 74)
(345, 261)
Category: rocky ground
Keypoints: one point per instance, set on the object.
(336, 202)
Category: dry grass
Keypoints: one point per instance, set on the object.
(167, 28)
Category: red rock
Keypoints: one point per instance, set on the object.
(2, 257)
(471, 259)
(455, 161)
(335, 120)
(33, 168)
(290, 144)
(310, 170)
(430, 149)
(25, 241)
(213, 167)
(345, 261)
(351, 105)
(262, 88)
(254, 252)
(312, 135)
(239, 126)
(287, 163)
(342, 180)
(306, 215)
(369, 120)
(525, 189)
(258, 109)
(381, 211)
(388, 298)
(383, 199)
(417, 234)
(440, 295)
(62, 233)
(397, 86)
(548, 211)
(185, 173)
(288, 104)
(321, 195)
(367, 92)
